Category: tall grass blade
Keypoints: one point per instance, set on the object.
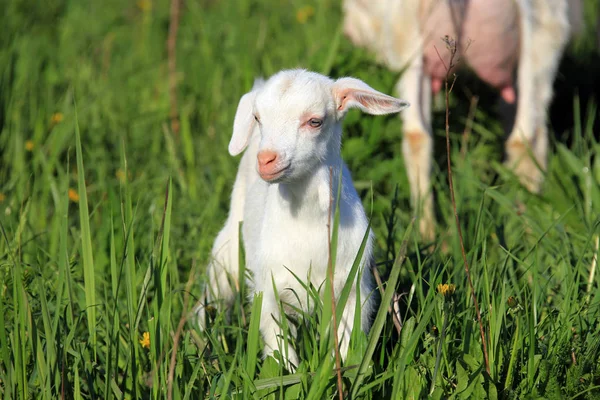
(381, 313)
(343, 295)
(89, 274)
(253, 336)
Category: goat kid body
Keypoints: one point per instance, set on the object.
(292, 237)
(283, 193)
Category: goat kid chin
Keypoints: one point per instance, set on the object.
(290, 127)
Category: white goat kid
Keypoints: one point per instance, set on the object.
(292, 127)
(499, 36)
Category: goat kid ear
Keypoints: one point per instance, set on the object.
(354, 93)
(243, 124)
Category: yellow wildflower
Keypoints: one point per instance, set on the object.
(2, 197)
(304, 14)
(56, 118)
(145, 342)
(144, 5)
(73, 195)
(29, 145)
(446, 289)
(120, 175)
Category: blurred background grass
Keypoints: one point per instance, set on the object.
(111, 58)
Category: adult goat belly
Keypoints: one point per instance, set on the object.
(486, 31)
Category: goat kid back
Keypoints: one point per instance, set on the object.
(291, 129)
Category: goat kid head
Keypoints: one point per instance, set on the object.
(298, 115)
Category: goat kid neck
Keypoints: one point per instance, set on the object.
(312, 196)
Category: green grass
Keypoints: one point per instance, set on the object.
(107, 219)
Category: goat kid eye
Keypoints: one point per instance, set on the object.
(315, 122)
(257, 119)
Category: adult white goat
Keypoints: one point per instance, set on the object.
(292, 127)
(498, 35)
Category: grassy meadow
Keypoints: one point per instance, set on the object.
(108, 212)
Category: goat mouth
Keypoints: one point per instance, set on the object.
(272, 176)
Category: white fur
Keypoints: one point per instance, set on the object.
(285, 220)
(392, 29)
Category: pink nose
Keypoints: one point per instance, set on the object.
(267, 161)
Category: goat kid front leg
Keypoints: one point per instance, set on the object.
(345, 325)
(273, 335)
